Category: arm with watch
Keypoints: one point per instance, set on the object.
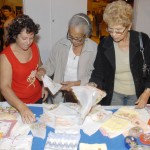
(144, 97)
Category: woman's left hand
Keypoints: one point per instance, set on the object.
(44, 93)
(143, 99)
(66, 86)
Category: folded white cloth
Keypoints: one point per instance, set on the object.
(16, 143)
(51, 85)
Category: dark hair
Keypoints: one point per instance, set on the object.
(6, 7)
(18, 24)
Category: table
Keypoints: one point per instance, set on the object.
(116, 143)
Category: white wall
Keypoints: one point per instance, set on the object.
(53, 17)
(142, 16)
(40, 12)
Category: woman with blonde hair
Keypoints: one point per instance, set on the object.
(120, 66)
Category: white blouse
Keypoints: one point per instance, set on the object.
(71, 67)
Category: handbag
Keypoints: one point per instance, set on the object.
(146, 68)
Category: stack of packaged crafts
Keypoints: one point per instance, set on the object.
(122, 121)
(13, 133)
(67, 115)
(95, 119)
(67, 118)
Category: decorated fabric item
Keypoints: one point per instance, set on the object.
(135, 131)
(10, 117)
(66, 111)
(127, 113)
(8, 112)
(87, 97)
(16, 143)
(38, 130)
(62, 141)
(47, 119)
(8, 109)
(7, 116)
(120, 122)
(84, 146)
(141, 124)
(99, 114)
(65, 114)
(6, 127)
(49, 107)
(115, 126)
(51, 85)
(20, 128)
(94, 120)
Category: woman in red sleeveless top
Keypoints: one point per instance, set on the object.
(19, 62)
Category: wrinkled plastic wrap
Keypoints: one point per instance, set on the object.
(87, 97)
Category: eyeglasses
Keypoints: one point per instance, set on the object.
(111, 31)
(81, 39)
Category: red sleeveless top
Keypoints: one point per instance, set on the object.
(24, 83)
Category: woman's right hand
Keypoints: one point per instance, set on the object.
(27, 115)
(92, 84)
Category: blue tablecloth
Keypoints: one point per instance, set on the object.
(112, 144)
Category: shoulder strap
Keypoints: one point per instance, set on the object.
(141, 42)
(141, 47)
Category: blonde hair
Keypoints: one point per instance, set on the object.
(118, 13)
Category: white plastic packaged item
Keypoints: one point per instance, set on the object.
(87, 97)
(85, 146)
(65, 115)
(51, 85)
(140, 147)
(6, 127)
(16, 143)
(62, 141)
(99, 114)
(38, 130)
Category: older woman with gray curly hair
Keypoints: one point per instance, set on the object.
(119, 65)
(71, 60)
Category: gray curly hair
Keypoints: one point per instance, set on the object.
(83, 20)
